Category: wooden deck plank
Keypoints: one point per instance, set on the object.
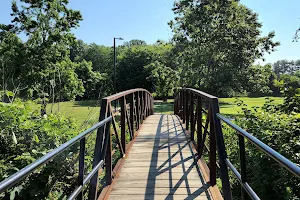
(161, 164)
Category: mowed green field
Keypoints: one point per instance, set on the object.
(228, 106)
(88, 111)
(82, 111)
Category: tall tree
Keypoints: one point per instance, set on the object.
(134, 42)
(164, 78)
(286, 67)
(47, 25)
(220, 40)
(11, 55)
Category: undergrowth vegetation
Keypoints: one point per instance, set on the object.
(280, 131)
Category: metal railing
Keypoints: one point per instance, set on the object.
(140, 105)
(184, 106)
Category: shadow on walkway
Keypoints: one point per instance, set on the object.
(171, 136)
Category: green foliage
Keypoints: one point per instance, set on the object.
(219, 40)
(97, 79)
(131, 70)
(290, 87)
(165, 79)
(134, 42)
(47, 25)
(25, 137)
(260, 80)
(92, 80)
(70, 86)
(286, 67)
(278, 130)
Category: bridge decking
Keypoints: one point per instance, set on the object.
(161, 164)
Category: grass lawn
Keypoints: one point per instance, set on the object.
(228, 106)
(82, 111)
(164, 107)
(88, 111)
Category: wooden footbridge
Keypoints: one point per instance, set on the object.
(162, 156)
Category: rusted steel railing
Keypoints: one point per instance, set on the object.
(190, 105)
(135, 106)
(198, 110)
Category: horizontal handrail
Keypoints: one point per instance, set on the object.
(283, 161)
(20, 175)
(124, 93)
(202, 94)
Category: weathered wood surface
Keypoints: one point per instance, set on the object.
(161, 164)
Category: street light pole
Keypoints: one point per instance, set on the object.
(115, 63)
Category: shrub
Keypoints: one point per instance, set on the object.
(25, 137)
(281, 132)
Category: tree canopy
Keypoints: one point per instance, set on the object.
(219, 40)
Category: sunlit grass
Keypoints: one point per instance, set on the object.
(88, 111)
(228, 106)
(82, 111)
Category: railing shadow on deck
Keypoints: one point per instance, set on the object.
(173, 138)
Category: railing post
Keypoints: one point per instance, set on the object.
(123, 123)
(152, 105)
(181, 104)
(212, 150)
(187, 111)
(81, 165)
(98, 152)
(142, 106)
(146, 105)
(221, 150)
(199, 123)
(108, 156)
(137, 105)
(184, 107)
(132, 107)
(243, 165)
(192, 116)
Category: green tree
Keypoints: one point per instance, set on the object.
(93, 82)
(134, 42)
(290, 87)
(77, 50)
(165, 79)
(47, 25)
(260, 80)
(101, 58)
(219, 41)
(11, 55)
(131, 71)
(286, 67)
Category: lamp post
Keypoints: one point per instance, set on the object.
(115, 63)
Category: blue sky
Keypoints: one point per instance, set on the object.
(147, 20)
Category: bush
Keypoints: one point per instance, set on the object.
(281, 132)
(25, 137)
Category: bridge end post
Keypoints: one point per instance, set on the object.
(221, 150)
(98, 152)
